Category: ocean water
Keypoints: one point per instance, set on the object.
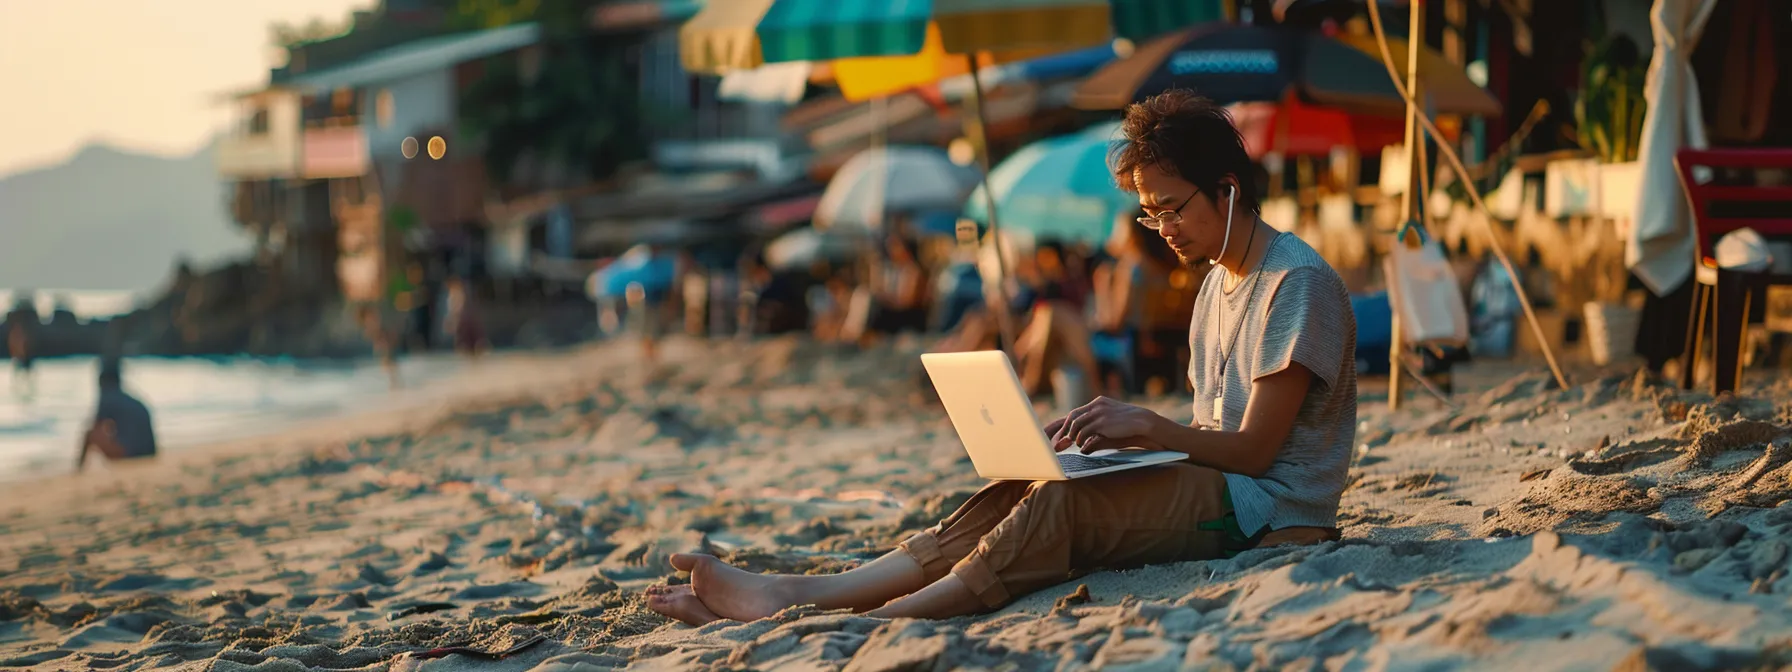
(193, 401)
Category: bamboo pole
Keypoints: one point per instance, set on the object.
(1474, 194)
(1004, 321)
(1408, 199)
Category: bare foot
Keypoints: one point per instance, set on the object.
(731, 592)
(678, 602)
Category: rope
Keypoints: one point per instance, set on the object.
(1474, 194)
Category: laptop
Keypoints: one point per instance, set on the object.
(995, 420)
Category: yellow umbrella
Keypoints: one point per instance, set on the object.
(862, 79)
(723, 37)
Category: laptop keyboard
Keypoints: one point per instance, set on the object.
(1072, 462)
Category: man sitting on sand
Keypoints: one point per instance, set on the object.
(1274, 373)
(121, 427)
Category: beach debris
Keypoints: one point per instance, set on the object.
(483, 654)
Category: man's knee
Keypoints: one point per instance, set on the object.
(1051, 491)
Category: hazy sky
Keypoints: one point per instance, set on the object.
(139, 74)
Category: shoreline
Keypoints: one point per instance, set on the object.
(449, 384)
(1557, 529)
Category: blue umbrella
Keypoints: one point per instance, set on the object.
(637, 266)
(1057, 188)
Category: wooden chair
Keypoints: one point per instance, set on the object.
(1732, 292)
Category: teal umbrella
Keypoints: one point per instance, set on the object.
(1058, 188)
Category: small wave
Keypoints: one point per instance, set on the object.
(29, 426)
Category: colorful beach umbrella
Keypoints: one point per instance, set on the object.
(1243, 63)
(1139, 20)
(1058, 188)
(882, 47)
(639, 266)
(901, 179)
(1310, 130)
(805, 246)
(1447, 86)
(723, 37)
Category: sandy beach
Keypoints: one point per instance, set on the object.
(1615, 525)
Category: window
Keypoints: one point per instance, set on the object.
(258, 121)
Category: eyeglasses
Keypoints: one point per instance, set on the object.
(1166, 218)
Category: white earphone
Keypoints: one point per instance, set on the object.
(1231, 199)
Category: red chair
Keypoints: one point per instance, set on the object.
(1735, 291)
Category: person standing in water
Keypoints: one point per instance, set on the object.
(121, 429)
(18, 345)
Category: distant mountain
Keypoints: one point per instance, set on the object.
(113, 219)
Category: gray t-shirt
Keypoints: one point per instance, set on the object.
(1297, 312)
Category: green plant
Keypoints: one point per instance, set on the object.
(581, 108)
(1608, 116)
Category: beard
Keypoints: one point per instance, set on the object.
(1191, 263)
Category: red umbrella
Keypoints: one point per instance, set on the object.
(1312, 130)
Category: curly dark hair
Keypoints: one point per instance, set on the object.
(1187, 136)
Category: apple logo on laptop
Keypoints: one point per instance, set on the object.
(986, 416)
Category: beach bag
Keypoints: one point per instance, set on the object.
(1423, 289)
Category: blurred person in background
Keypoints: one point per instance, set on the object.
(122, 429)
(463, 320)
(774, 302)
(18, 346)
(1054, 338)
(1064, 268)
(1054, 334)
(384, 335)
(1143, 299)
(899, 289)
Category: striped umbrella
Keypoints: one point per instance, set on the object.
(721, 38)
(1144, 19)
(730, 35)
(799, 30)
(1057, 188)
(825, 30)
(889, 46)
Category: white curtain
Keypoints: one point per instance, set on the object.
(1662, 245)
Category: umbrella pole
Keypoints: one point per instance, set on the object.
(1408, 200)
(1474, 195)
(1004, 321)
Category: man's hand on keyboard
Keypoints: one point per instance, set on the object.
(1105, 423)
